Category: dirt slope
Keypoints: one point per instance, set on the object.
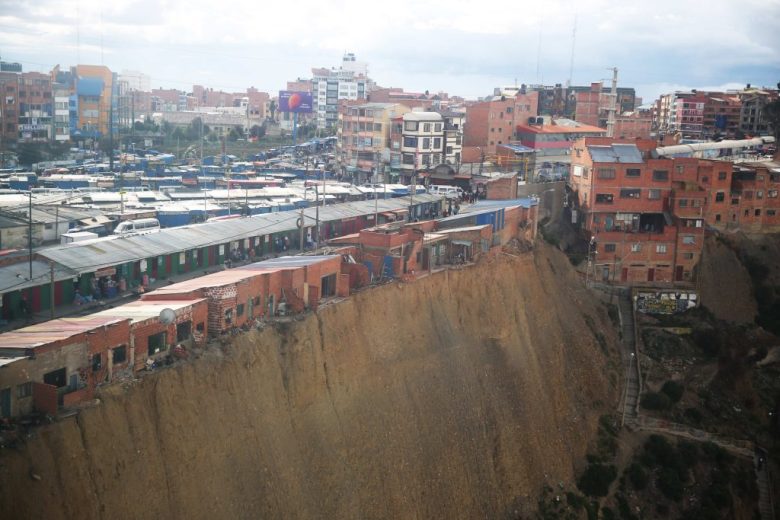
(726, 289)
(457, 396)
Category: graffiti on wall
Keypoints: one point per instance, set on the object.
(665, 301)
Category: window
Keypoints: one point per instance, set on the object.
(721, 176)
(156, 343)
(437, 143)
(604, 198)
(720, 196)
(183, 331)
(772, 194)
(653, 194)
(660, 248)
(660, 175)
(771, 213)
(240, 309)
(97, 362)
(758, 212)
(683, 203)
(24, 390)
(630, 193)
(717, 217)
(377, 127)
(609, 248)
(689, 240)
(410, 126)
(229, 316)
(410, 142)
(633, 172)
(760, 194)
(635, 248)
(426, 127)
(426, 143)
(408, 158)
(687, 256)
(200, 327)
(437, 127)
(679, 168)
(606, 173)
(119, 355)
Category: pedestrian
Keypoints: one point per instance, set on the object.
(25, 309)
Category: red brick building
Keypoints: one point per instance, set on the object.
(59, 363)
(492, 123)
(646, 214)
(748, 199)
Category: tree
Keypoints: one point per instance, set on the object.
(272, 109)
(257, 131)
(29, 154)
(596, 479)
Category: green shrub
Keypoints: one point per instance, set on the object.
(688, 453)
(673, 390)
(670, 484)
(694, 415)
(596, 479)
(655, 401)
(638, 476)
(709, 341)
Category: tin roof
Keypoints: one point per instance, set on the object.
(83, 258)
(14, 277)
(51, 331)
(142, 310)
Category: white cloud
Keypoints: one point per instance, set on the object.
(464, 46)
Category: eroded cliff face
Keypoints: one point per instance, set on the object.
(457, 396)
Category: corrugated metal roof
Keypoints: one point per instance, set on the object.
(54, 330)
(524, 202)
(142, 310)
(83, 258)
(14, 277)
(616, 153)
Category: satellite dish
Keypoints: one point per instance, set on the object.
(167, 316)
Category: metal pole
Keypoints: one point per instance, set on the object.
(317, 213)
(303, 227)
(51, 291)
(29, 232)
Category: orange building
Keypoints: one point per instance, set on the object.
(94, 87)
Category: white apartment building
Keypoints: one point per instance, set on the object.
(61, 113)
(350, 82)
(422, 143)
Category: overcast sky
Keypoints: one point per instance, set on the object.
(464, 47)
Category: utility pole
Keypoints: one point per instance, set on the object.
(317, 212)
(302, 229)
(111, 131)
(612, 104)
(29, 232)
(51, 291)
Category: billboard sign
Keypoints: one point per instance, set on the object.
(295, 101)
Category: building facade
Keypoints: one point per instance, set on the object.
(330, 86)
(363, 145)
(646, 215)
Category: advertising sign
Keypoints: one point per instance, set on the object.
(292, 101)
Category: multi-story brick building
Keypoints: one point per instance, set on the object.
(26, 107)
(364, 136)
(491, 123)
(551, 141)
(646, 214)
(747, 199)
(592, 104)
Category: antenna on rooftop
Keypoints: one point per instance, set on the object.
(573, 42)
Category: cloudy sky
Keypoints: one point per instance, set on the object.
(464, 47)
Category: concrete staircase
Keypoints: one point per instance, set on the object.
(630, 360)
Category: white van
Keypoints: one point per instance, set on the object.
(450, 192)
(142, 225)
